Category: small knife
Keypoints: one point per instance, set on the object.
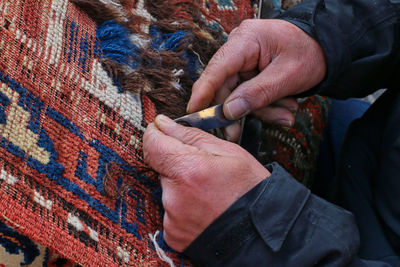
(207, 119)
(213, 117)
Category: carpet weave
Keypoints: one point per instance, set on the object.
(63, 119)
(77, 89)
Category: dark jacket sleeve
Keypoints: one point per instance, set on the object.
(360, 39)
(279, 223)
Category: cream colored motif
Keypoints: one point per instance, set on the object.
(16, 129)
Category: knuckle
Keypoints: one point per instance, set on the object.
(260, 96)
(168, 231)
(179, 167)
(170, 163)
(168, 224)
(193, 136)
(247, 23)
(200, 174)
(168, 202)
(295, 65)
(148, 145)
(222, 53)
(171, 234)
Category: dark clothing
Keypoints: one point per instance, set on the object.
(341, 114)
(280, 222)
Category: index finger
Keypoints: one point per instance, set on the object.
(237, 55)
(164, 153)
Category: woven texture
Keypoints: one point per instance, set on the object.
(78, 86)
(296, 148)
(63, 119)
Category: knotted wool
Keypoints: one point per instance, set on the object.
(79, 82)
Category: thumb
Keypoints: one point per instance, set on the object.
(190, 136)
(273, 83)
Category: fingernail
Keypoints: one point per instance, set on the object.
(285, 123)
(237, 108)
(230, 134)
(163, 121)
(293, 109)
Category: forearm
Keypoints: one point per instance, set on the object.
(360, 39)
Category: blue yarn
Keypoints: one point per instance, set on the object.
(62, 120)
(46, 257)
(226, 3)
(277, 5)
(53, 169)
(15, 150)
(97, 50)
(4, 101)
(119, 182)
(192, 64)
(34, 106)
(115, 43)
(81, 171)
(164, 40)
(140, 204)
(130, 227)
(161, 242)
(84, 45)
(76, 42)
(15, 243)
(117, 83)
(71, 40)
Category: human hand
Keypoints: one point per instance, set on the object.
(270, 60)
(201, 176)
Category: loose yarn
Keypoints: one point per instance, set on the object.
(79, 83)
(80, 80)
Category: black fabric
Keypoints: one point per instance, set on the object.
(360, 39)
(282, 223)
(286, 226)
(369, 177)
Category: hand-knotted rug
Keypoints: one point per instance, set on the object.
(79, 82)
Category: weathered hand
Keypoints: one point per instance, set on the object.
(263, 62)
(201, 176)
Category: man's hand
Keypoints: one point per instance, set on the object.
(201, 176)
(263, 62)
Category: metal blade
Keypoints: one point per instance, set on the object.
(207, 119)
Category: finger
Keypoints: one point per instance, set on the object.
(276, 81)
(226, 89)
(231, 83)
(232, 132)
(190, 136)
(289, 103)
(276, 115)
(232, 33)
(244, 76)
(238, 54)
(163, 153)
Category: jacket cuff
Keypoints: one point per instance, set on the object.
(280, 195)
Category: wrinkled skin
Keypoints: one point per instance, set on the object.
(201, 176)
(270, 60)
(263, 62)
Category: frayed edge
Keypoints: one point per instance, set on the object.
(161, 254)
(106, 2)
(198, 56)
(169, 91)
(177, 83)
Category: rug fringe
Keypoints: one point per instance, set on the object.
(160, 252)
